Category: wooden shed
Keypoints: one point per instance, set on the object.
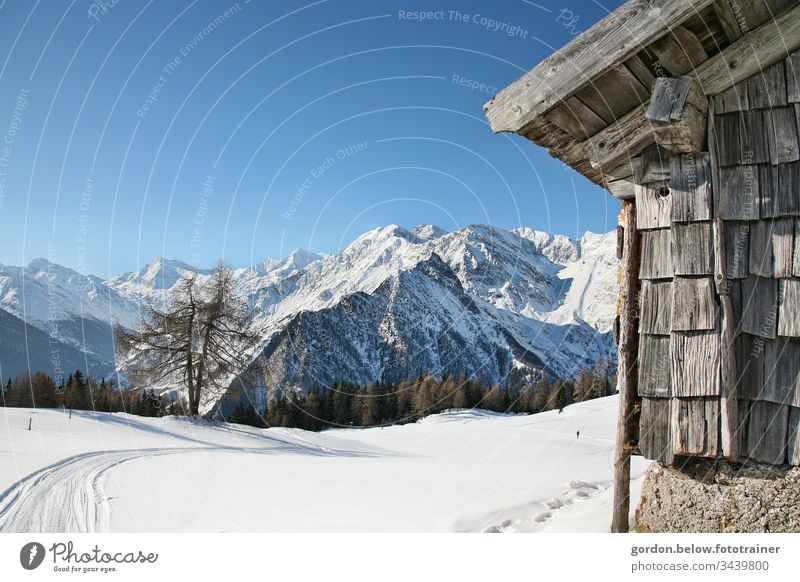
(689, 112)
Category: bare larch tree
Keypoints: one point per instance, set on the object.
(203, 336)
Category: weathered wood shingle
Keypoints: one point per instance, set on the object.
(653, 206)
(771, 246)
(695, 363)
(749, 365)
(728, 129)
(767, 89)
(779, 187)
(737, 249)
(782, 135)
(767, 432)
(789, 310)
(753, 138)
(781, 372)
(793, 450)
(693, 304)
(796, 252)
(656, 262)
(793, 77)
(782, 236)
(654, 366)
(692, 249)
(690, 184)
(732, 99)
(655, 307)
(737, 194)
(655, 439)
(759, 306)
(695, 426)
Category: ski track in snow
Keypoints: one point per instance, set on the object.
(67, 496)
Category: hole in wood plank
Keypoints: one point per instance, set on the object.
(663, 191)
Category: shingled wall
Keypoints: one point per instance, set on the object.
(756, 192)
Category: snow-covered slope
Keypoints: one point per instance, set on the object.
(392, 303)
(71, 308)
(121, 473)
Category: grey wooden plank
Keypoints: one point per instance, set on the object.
(729, 140)
(694, 307)
(737, 249)
(654, 366)
(793, 449)
(782, 236)
(692, 248)
(760, 261)
(668, 99)
(679, 51)
(767, 432)
(732, 99)
(690, 187)
(767, 89)
(727, 20)
(782, 135)
(754, 13)
(655, 307)
(750, 365)
(771, 246)
(796, 252)
(793, 77)
(655, 439)
(759, 306)
(653, 206)
(694, 360)
(695, 427)
(754, 137)
(766, 45)
(768, 190)
(744, 420)
(737, 196)
(641, 71)
(787, 193)
(654, 168)
(616, 38)
(781, 372)
(656, 262)
(789, 310)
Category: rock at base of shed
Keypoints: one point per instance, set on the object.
(706, 495)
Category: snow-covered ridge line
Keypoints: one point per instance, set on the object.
(418, 297)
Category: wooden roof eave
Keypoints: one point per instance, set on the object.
(616, 38)
(600, 156)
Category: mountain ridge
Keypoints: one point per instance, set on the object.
(478, 300)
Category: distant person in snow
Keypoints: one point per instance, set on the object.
(578, 435)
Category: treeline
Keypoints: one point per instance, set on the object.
(341, 405)
(384, 404)
(77, 392)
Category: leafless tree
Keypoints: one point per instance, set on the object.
(203, 335)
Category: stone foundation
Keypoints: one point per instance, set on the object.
(707, 495)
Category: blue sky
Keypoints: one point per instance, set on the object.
(202, 130)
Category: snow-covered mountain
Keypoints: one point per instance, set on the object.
(393, 303)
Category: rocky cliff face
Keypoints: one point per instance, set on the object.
(393, 303)
(715, 496)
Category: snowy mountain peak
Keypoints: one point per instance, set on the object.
(428, 231)
(479, 300)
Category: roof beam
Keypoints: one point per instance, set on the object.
(755, 51)
(607, 44)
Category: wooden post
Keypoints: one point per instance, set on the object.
(628, 308)
(30, 422)
(729, 403)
